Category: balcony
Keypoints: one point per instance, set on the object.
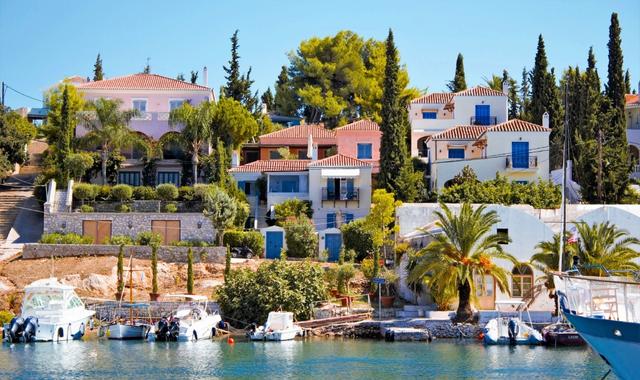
(521, 163)
(483, 120)
(337, 195)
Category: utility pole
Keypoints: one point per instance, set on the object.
(565, 149)
(600, 195)
(3, 92)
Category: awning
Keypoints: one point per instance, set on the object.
(340, 173)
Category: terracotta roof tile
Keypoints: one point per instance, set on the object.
(461, 132)
(631, 99)
(479, 91)
(434, 98)
(339, 160)
(299, 135)
(517, 125)
(263, 166)
(360, 125)
(141, 82)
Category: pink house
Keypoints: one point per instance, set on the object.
(154, 96)
(360, 139)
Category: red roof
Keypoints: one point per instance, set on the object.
(263, 166)
(517, 125)
(434, 98)
(461, 132)
(299, 135)
(480, 91)
(360, 125)
(141, 82)
(631, 99)
(339, 160)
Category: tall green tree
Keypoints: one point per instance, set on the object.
(234, 87)
(97, 69)
(232, 123)
(525, 95)
(458, 83)
(194, 77)
(267, 99)
(627, 82)
(285, 101)
(15, 133)
(512, 95)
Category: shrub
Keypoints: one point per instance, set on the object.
(144, 193)
(251, 239)
(104, 191)
(191, 243)
(121, 240)
(367, 268)
(242, 213)
(6, 316)
(301, 237)
(292, 208)
(70, 238)
(78, 163)
(249, 295)
(148, 238)
(346, 273)
(186, 193)
(170, 207)
(86, 208)
(123, 208)
(85, 192)
(121, 192)
(357, 236)
(167, 192)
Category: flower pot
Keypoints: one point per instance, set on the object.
(387, 301)
(118, 295)
(345, 300)
(154, 296)
(334, 293)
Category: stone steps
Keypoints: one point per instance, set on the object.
(10, 201)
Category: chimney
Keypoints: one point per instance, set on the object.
(205, 76)
(314, 153)
(235, 159)
(505, 88)
(263, 109)
(545, 120)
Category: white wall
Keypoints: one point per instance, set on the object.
(465, 108)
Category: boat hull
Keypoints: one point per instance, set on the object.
(128, 332)
(48, 331)
(497, 333)
(553, 338)
(280, 335)
(202, 329)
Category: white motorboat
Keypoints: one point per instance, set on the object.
(279, 327)
(51, 311)
(509, 329)
(190, 322)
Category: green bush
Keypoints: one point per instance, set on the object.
(6, 316)
(186, 193)
(357, 236)
(85, 191)
(192, 243)
(301, 237)
(167, 192)
(346, 273)
(121, 192)
(144, 193)
(121, 240)
(104, 192)
(367, 268)
(123, 208)
(86, 208)
(292, 208)
(250, 296)
(70, 238)
(148, 238)
(170, 207)
(251, 239)
(242, 213)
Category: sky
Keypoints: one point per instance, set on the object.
(46, 41)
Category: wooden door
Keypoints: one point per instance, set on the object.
(169, 230)
(485, 292)
(99, 230)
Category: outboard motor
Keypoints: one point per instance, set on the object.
(162, 330)
(514, 329)
(30, 328)
(174, 330)
(15, 329)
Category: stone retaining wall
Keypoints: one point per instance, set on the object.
(168, 254)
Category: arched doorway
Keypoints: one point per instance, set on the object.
(423, 150)
(521, 281)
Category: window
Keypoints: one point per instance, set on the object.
(483, 114)
(504, 235)
(521, 182)
(168, 177)
(140, 105)
(251, 156)
(520, 154)
(274, 155)
(169, 230)
(365, 151)
(284, 184)
(302, 154)
(521, 281)
(341, 189)
(173, 104)
(129, 178)
(456, 153)
(331, 220)
(245, 186)
(348, 218)
(429, 114)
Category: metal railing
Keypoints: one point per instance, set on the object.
(483, 120)
(340, 195)
(520, 163)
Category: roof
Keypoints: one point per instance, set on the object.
(299, 135)
(434, 98)
(262, 166)
(517, 125)
(480, 91)
(630, 99)
(339, 161)
(360, 125)
(461, 132)
(141, 82)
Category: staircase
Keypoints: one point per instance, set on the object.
(10, 201)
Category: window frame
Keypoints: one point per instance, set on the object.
(449, 150)
(518, 281)
(175, 100)
(367, 148)
(146, 103)
(433, 113)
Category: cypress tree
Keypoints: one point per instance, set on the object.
(512, 95)
(458, 83)
(393, 148)
(267, 99)
(97, 69)
(66, 131)
(235, 86)
(525, 94)
(627, 82)
(189, 271)
(285, 102)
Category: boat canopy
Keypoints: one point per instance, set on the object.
(193, 297)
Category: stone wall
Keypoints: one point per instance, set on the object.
(193, 226)
(165, 253)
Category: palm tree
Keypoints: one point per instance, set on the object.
(603, 245)
(464, 249)
(108, 128)
(546, 258)
(196, 128)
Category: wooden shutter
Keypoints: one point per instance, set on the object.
(169, 230)
(99, 230)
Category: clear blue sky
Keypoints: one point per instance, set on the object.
(45, 41)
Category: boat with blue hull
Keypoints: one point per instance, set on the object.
(606, 313)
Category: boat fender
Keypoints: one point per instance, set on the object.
(230, 340)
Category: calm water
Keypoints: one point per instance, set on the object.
(296, 359)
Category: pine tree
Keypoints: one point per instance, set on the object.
(194, 77)
(267, 99)
(97, 69)
(627, 82)
(514, 101)
(458, 83)
(235, 86)
(525, 94)
(285, 102)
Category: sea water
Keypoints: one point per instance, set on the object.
(315, 358)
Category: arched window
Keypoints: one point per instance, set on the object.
(521, 281)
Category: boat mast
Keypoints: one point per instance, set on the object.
(565, 155)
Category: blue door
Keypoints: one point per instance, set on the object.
(274, 244)
(333, 243)
(483, 114)
(520, 154)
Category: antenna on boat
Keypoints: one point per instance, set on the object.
(565, 156)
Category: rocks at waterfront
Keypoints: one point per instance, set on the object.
(418, 329)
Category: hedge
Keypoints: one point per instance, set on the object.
(251, 239)
(70, 238)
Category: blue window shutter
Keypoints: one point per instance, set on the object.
(350, 194)
(483, 114)
(348, 218)
(520, 154)
(364, 151)
(331, 187)
(429, 115)
(331, 220)
(457, 153)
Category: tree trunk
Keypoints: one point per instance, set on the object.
(464, 312)
(105, 157)
(194, 161)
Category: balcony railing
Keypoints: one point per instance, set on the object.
(340, 195)
(484, 120)
(522, 163)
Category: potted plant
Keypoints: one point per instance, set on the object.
(390, 277)
(346, 273)
(331, 279)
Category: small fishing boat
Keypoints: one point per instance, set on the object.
(561, 334)
(279, 327)
(51, 311)
(511, 330)
(190, 322)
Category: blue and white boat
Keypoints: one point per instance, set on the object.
(606, 313)
(510, 329)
